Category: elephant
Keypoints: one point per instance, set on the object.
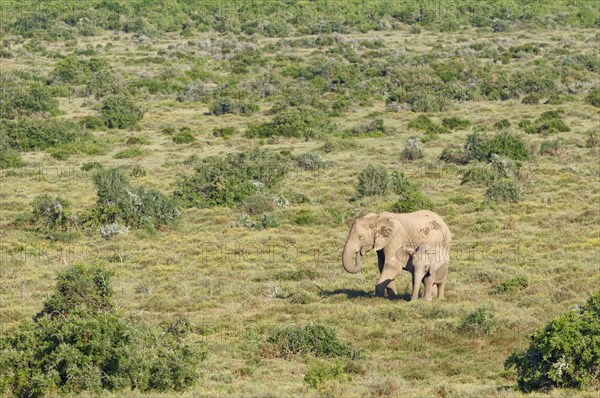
(395, 238)
(429, 264)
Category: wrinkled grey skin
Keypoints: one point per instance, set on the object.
(430, 260)
(395, 238)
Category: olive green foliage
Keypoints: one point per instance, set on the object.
(412, 150)
(504, 191)
(225, 105)
(228, 181)
(51, 213)
(455, 123)
(131, 152)
(513, 284)
(372, 180)
(119, 201)
(120, 112)
(311, 161)
(376, 128)
(481, 146)
(39, 134)
(549, 122)
(184, 137)
(482, 320)
(313, 339)
(24, 99)
(551, 147)
(424, 123)
(300, 122)
(593, 98)
(257, 204)
(74, 70)
(79, 342)
(321, 372)
(224, 132)
(564, 353)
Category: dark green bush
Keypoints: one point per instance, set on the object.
(513, 284)
(549, 122)
(36, 134)
(564, 353)
(504, 191)
(317, 340)
(79, 342)
(228, 181)
(455, 123)
(300, 122)
(376, 128)
(51, 213)
(184, 137)
(502, 124)
(19, 99)
(478, 174)
(120, 112)
(119, 201)
(457, 156)
(481, 147)
(306, 217)
(131, 152)
(225, 105)
(410, 201)
(373, 180)
(482, 320)
(593, 98)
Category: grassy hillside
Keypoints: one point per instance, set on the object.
(345, 84)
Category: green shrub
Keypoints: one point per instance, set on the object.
(39, 134)
(317, 340)
(265, 221)
(482, 320)
(9, 158)
(531, 99)
(513, 284)
(306, 217)
(478, 174)
(131, 152)
(51, 213)
(320, 372)
(502, 124)
(593, 98)
(455, 123)
(119, 201)
(224, 132)
(410, 201)
(564, 353)
(225, 105)
(18, 101)
(457, 156)
(301, 122)
(311, 161)
(79, 342)
(424, 123)
(412, 150)
(549, 122)
(228, 181)
(184, 137)
(376, 128)
(504, 191)
(373, 180)
(120, 112)
(481, 147)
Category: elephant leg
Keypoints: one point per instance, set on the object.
(434, 290)
(428, 287)
(392, 291)
(441, 285)
(387, 276)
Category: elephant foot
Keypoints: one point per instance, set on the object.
(380, 289)
(391, 294)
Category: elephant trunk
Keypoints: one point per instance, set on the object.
(418, 275)
(349, 265)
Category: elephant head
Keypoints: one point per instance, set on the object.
(426, 259)
(372, 231)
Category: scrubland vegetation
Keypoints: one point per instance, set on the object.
(178, 179)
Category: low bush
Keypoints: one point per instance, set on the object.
(51, 213)
(549, 122)
(457, 156)
(478, 174)
(373, 180)
(306, 217)
(257, 204)
(455, 123)
(40, 134)
(301, 122)
(502, 124)
(131, 152)
(376, 128)
(266, 220)
(564, 353)
(311, 161)
(410, 201)
(79, 342)
(424, 123)
(551, 147)
(224, 132)
(482, 147)
(513, 284)
(223, 106)
(120, 112)
(504, 191)
(593, 98)
(482, 320)
(120, 202)
(229, 180)
(19, 100)
(314, 339)
(321, 372)
(412, 150)
(184, 137)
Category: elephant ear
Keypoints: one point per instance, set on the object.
(385, 229)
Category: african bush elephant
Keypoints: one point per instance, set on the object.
(394, 237)
(429, 264)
